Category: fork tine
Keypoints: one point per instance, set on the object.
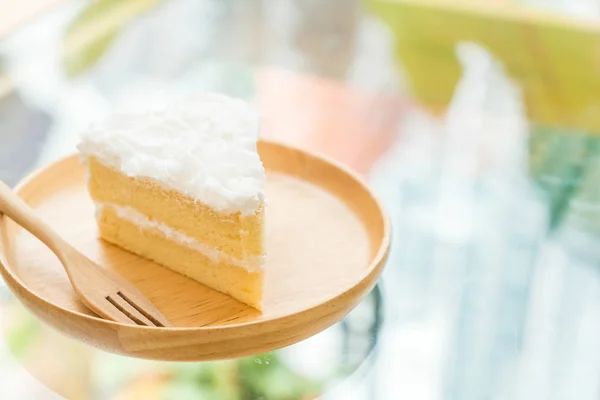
(131, 299)
(146, 308)
(135, 300)
(128, 310)
(107, 311)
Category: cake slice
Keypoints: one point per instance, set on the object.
(184, 187)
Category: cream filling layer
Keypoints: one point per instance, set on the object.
(252, 264)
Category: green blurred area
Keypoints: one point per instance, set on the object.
(93, 31)
(264, 377)
(553, 58)
(261, 377)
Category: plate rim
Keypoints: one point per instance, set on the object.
(371, 273)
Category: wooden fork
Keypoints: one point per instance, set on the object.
(102, 291)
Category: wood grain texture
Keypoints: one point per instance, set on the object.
(101, 290)
(327, 241)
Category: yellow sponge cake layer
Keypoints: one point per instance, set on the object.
(238, 282)
(184, 186)
(239, 236)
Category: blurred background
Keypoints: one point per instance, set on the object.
(475, 121)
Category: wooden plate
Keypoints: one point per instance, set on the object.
(327, 241)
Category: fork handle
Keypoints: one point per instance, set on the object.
(16, 209)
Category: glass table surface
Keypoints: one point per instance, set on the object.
(488, 293)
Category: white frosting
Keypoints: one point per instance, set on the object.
(252, 264)
(204, 147)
